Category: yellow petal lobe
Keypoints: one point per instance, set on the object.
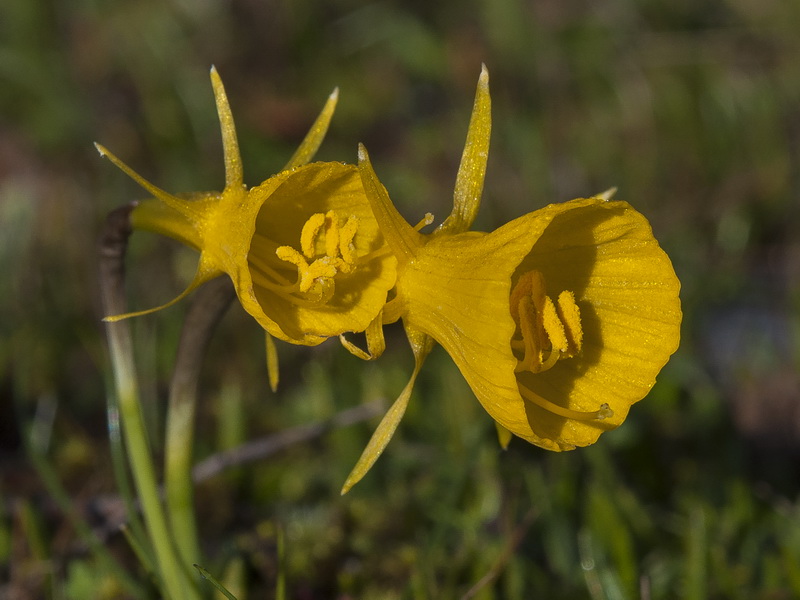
(273, 372)
(472, 170)
(421, 345)
(403, 240)
(313, 140)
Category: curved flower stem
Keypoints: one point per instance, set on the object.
(210, 303)
(113, 244)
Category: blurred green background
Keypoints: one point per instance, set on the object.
(691, 108)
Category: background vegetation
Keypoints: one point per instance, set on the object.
(691, 108)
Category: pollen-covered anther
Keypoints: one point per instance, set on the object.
(308, 236)
(570, 317)
(546, 331)
(346, 244)
(331, 234)
(316, 271)
(308, 274)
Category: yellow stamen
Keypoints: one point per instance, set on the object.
(570, 317)
(258, 262)
(346, 245)
(554, 327)
(291, 255)
(316, 274)
(531, 338)
(262, 278)
(331, 234)
(308, 236)
(290, 293)
(546, 331)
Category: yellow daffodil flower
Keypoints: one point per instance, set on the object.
(559, 320)
(303, 249)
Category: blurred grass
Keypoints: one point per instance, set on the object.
(691, 108)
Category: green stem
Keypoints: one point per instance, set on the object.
(209, 305)
(113, 244)
(135, 527)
